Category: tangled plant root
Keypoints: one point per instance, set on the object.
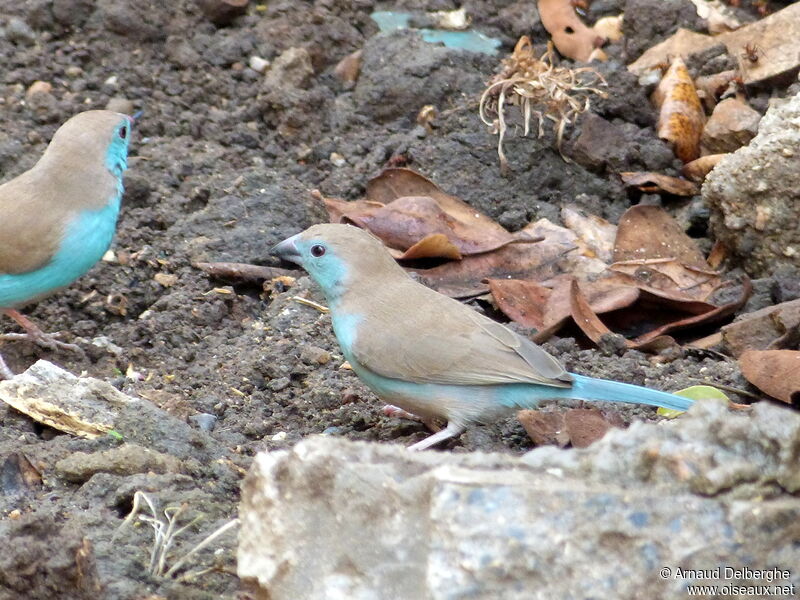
(540, 90)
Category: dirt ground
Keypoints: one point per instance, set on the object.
(222, 165)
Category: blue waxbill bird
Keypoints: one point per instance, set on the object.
(429, 354)
(58, 218)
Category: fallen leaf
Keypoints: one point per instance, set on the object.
(658, 182)
(764, 329)
(18, 475)
(166, 280)
(648, 232)
(697, 169)
(403, 208)
(559, 251)
(585, 426)
(544, 428)
(774, 372)
(571, 36)
(681, 117)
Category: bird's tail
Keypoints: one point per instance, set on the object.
(591, 389)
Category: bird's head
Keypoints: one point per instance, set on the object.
(338, 257)
(93, 137)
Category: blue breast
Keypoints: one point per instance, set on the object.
(86, 239)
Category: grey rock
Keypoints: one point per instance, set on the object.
(19, 32)
(203, 421)
(754, 196)
(376, 521)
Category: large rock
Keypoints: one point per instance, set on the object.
(754, 196)
(336, 519)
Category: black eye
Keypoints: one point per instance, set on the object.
(317, 250)
(123, 132)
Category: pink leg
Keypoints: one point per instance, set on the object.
(452, 430)
(34, 334)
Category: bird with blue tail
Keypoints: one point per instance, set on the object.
(58, 218)
(429, 354)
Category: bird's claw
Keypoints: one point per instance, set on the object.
(390, 410)
(5, 372)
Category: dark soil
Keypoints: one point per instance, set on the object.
(221, 169)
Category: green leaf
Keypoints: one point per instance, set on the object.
(694, 392)
(115, 434)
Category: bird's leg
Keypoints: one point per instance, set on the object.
(34, 334)
(452, 430)
(5, 372)
(390, 410)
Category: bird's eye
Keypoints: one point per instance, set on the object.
(123, 132)
(317, 250)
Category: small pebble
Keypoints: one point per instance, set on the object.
(203, 421)
(18, 31)
(38, 87)
(281, 383)
(337, 160)
(279, 437)
(73, 71)
(258, 64)
(311, 355)
(333, 431)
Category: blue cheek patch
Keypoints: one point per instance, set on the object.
(85, 241)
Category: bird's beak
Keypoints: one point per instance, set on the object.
(287, 250)
(136, 117)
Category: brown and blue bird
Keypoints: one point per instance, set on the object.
(58, 218)
(428, 354)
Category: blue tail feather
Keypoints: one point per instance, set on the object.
(591, 389)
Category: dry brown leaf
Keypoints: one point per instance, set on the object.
(544, 428)
(647, 232)
(243, 271)
(546, 306)
(669, 276)
(774, 372)
(585, 426)
(697, 169)
(435, 245)
(403, 209)
(681, 117)
(658, 182)
(571, 36)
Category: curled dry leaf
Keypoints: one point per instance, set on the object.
(585, 426)
(571, 36)
(774, 372)
(404, 209)
(242, 271)
(697, 169)
(658, 182)
(681, 117)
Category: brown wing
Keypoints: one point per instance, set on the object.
(31, 224)
(412, 333)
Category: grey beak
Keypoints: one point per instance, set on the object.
(287, 250)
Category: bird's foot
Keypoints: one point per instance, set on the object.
(36, 335)
(390, 410)
(5, 372)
